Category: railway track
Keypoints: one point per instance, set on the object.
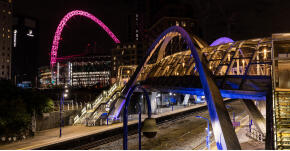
(167, 120)
(92, 141)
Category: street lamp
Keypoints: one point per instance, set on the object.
(60, 116)
(65, 95)
(208, 132)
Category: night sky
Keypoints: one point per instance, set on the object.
(247, 19)
(79, 31)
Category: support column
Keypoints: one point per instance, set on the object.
(186, 98)
(262, 108)
(255, 115)
(153, 102)
(269, 143)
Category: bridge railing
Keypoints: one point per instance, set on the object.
(92, 111)
(255, 134)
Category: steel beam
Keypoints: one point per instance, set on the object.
(255, 115)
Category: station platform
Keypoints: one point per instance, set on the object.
(246, 142)
(51, 136)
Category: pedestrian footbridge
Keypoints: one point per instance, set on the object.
(178, 62)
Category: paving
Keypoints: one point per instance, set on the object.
(184, 134)
(51, 136)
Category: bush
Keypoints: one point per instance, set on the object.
(18, 105)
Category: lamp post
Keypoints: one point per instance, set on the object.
(150, 128)
(60, 116)
(250, 124)
(139, 125)
(208, 132)
(64, 95)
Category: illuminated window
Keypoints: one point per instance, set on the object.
(183, 24)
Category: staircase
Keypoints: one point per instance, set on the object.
(282, 119)
(91, 113)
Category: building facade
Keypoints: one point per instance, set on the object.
(24, 49)
(44, 76)
(5, 38)
(127, 54)
(78, 72)
(133, 53)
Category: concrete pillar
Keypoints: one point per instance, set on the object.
(153, 102)
(164, 97)
(262, 107)
(269, 143)
(255, 115)
(185, 100)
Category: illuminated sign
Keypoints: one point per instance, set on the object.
(30, 34)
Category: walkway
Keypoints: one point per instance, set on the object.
(51, 136)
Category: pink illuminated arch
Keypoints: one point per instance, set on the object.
(63, 22)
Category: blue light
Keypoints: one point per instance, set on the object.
(222, 40)
(233, 94)
(208, 133)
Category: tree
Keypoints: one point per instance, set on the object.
(18, 105)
